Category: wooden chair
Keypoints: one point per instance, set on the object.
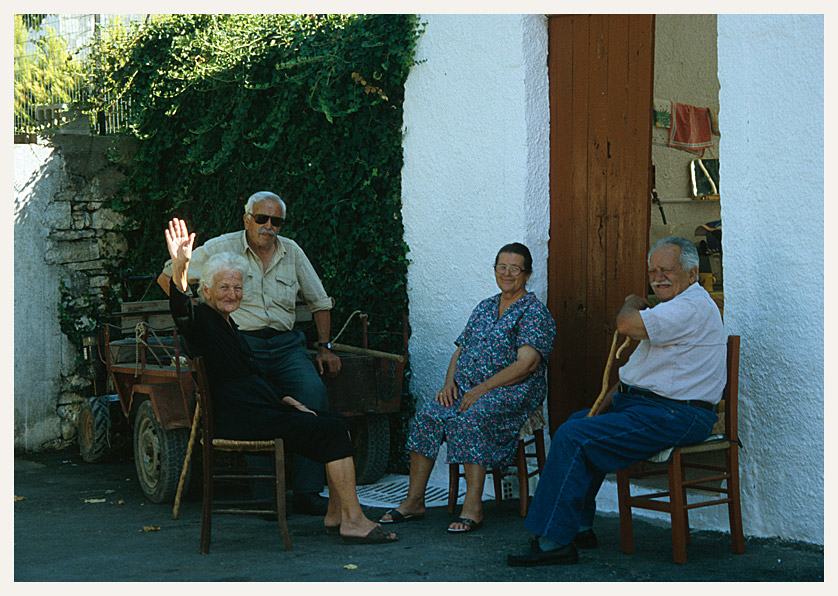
(709, 478)
(531, 434)
(211, 444)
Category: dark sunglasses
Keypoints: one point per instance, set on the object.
(261, 218)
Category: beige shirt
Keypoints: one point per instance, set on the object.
(685, 355)
(269, 295)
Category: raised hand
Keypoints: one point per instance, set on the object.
(179, 242)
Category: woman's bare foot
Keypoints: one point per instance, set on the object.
(331, 521)
(360, 527)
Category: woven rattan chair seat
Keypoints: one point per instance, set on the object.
(230, 445)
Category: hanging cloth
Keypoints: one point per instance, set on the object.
(690, 128)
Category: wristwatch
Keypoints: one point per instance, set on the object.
(324, 344)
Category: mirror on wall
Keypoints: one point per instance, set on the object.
(704, 174)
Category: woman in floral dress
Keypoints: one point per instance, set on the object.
(494, 382)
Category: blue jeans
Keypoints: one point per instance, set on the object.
(584, 450)
(291, 372)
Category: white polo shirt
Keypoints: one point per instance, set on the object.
(685, 355)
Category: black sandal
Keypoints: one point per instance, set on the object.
(399, 517)
(470, 524)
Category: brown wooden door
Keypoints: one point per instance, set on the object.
(601, 78)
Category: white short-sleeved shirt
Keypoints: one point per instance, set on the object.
(684, 357)
(269, 295)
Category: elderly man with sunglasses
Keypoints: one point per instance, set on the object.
(278, 270)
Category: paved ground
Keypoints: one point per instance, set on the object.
(59, 536)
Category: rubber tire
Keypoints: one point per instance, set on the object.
(371, 443)
(94, 428)
(158, 455)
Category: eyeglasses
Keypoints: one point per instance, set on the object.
(514, 270)
(261, 218)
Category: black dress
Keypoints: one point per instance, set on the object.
(245, 407)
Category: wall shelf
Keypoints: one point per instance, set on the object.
(689, 200)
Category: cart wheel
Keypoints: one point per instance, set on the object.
(94, 428)
(371, 443)
(158, 455)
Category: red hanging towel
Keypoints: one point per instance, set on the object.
(690, 128)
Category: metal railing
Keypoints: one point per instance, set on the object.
(54, 56)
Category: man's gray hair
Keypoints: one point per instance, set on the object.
(689, 253)
(264, 195)
(222, 261)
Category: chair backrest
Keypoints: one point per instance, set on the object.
(730, 395)
(199, 370)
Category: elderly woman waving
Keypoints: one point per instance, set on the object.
(494, 382)
(247, 408)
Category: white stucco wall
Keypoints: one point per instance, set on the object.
(475, 176)
(41, 351)
(772, 160)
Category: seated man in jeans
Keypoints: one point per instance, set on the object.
(665, 398)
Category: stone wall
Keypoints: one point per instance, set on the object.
(63, 234)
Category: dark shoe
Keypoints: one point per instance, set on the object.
(375, 536)
(564, 555)
(333, 530)
(310, 504)
(585, 539)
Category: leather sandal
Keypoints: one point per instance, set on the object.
(399, 517)
(470, 525)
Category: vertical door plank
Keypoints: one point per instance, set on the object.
(560, 259)
(577, 341)
(569, 113)
(640, 86)
(620, 186)
(598, 140)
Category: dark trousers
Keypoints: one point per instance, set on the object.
(291, 372)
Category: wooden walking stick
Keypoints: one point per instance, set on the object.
(606, 376)
(186, 459)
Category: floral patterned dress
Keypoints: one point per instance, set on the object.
(487, 432)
